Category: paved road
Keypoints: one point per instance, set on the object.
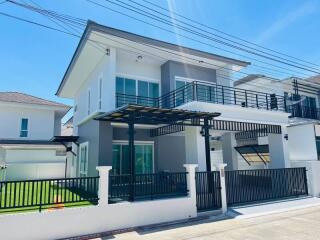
(296, 224)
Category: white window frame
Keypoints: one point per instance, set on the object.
(20, 129)
(125, 142)
(136, 79)
(85, 144)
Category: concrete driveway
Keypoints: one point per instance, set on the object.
(295, 224)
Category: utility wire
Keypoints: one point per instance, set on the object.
(42, 25)
(226, 34)
(187, 37)
(162, 20)
(244, 47)
(75, 35)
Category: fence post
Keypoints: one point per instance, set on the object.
(224, 206)
(191, 181)
(103, 189)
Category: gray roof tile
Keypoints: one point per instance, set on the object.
(17, 97)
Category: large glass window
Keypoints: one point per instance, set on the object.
(143, 156)
(136, 91)
(24, 127)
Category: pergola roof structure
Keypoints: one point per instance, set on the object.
(152, 115)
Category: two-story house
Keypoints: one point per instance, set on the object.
(144, 105)
(302, 102)
(26, 127)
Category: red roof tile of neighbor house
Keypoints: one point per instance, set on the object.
(17, 97)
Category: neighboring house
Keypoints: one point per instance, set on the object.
(26, 127)
(177, 104)
(67, 128)
(302, 101)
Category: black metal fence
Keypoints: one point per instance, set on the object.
(208, 190)
(208, 92)
(147, 186)
(48, 192)
(244, 186)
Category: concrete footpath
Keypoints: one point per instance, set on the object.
(294, 219)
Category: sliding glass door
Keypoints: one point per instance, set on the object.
(143, 156)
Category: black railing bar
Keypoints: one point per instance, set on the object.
(39, 180)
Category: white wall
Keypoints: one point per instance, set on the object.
(41, 122)
(302, 143)
(71, 222)
(88, 220)
(195, 148)
(144, 69)
(118, 63)
(25, 164)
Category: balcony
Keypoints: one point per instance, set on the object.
(210, 93)
(299, 111)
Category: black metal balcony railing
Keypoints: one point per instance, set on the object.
(208, 92)
(123, 99)
(303, 112)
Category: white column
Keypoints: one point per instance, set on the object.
(313, 178)
(103, 190)
(278, 148)
(224, 206)
(230, 155)
(191, 182)
(195, 147)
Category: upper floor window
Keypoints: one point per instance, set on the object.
(136, 91)
(24, 127)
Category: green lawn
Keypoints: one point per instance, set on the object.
(28, 196)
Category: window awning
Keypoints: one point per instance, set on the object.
(153, 115)
(254, 153)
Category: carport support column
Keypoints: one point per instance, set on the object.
(223, 191)
(103, 190)
(194, 143)
(131, 154)
(278, 148)
(206, 128)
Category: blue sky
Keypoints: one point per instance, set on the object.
(33, 60)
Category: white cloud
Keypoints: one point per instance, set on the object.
(303, 10)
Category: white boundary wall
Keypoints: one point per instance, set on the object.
(79, 221)
(94, 219)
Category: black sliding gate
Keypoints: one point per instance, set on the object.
(246, 186)
(208, 190)
(249, 186)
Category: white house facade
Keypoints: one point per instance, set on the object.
(136, 70)
(27, 125)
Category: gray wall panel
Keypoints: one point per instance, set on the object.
(171, 153)
(171, 69)
(89, 132)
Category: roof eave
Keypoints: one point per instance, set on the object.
(91, 25)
